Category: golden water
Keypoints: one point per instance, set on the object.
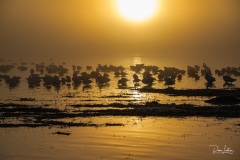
(141, 139)
(82, 94)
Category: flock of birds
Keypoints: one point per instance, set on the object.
(57, 75)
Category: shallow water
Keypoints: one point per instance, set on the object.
(93, 94)
(140, 138)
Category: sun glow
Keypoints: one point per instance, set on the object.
(137, 10)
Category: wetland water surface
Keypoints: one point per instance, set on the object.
(109, 121)
(139, 138)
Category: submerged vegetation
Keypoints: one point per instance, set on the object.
(17, 115)
(194, 92)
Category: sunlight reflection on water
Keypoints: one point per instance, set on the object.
(94, 95)
(141, 138)
(111, 93)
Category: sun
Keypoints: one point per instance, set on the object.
(137, 10)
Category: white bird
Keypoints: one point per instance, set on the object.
(210, 79)
(228, 79)
(169, 81)
(86, 81)
(136, 78)
(122, 82)
(179, 77)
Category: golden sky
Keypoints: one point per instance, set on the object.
(180, 28)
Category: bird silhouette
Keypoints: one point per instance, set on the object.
(209, 78)
(228, 79)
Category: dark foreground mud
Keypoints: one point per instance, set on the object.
(194, 92)
(17, 115)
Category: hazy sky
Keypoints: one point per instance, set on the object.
(181, 29)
